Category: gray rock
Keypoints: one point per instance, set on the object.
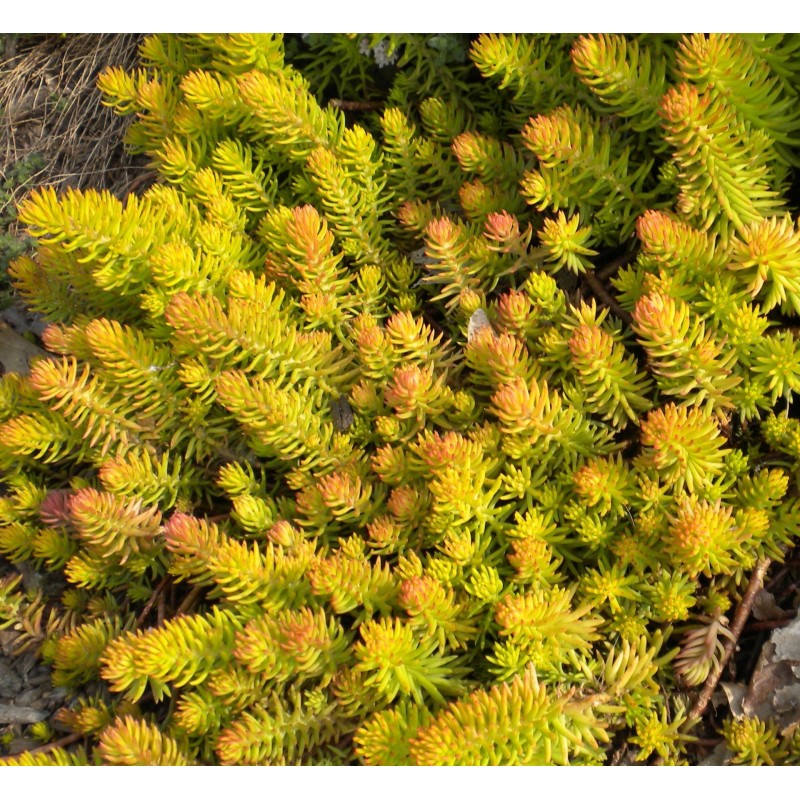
(20, 715)
(7, 639)
(25, 663)
(39, 676)
(18, 746)
(28, 697)
(10, 682)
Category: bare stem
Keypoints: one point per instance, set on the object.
(742, 613)
(189, 600)
(598, 290)
(151, 602)
(609, 269)
(355, 105)
(64, 741)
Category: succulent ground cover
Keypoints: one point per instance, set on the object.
(431, 402)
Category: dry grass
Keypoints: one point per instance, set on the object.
(51, 107)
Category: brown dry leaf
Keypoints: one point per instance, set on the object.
(774, 691)
(787, 642)
(735, 693)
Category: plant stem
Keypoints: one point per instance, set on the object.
(599, 291)
(742, 613)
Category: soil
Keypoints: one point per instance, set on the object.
(26, 691)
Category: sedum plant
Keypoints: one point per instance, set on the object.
(341, 452)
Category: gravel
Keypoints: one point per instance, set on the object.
(27, 694)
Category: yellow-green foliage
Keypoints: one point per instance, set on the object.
(341, 452)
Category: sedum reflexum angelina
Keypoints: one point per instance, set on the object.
(344, 450)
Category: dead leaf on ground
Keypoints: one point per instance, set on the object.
(735, 692)
(774, 691)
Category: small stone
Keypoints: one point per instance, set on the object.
(20, 715)
(342, 414)
(39, 676)
(7, 639)
(27, 697)
(55, 696)
(10, 682)
(25, 663)
(18, 746)
(478, 322)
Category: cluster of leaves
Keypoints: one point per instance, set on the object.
(337, 389)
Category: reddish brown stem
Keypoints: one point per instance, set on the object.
(770, 624)
(355, 105)
(144, 179)
(609, 269)
(742, 613)
(64, 741)
(619, 754)
(161, 608)
(599, 291)
(707, 742)
(189, 600)
(153, 598)
(776, 578)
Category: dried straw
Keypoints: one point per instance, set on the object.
(51, 106)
